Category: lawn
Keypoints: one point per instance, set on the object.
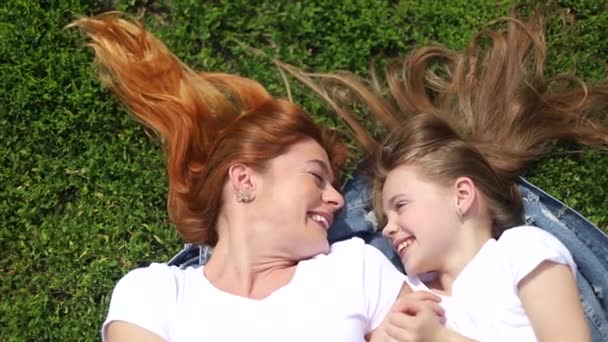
(82, 186)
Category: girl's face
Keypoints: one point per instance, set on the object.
(422, 221)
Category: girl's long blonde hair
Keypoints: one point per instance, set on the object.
(492, 99)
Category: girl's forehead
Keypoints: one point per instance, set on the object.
(408, 179)
(397, 180)
(402, 173)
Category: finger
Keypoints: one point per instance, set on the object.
(424, 320)
(397, 339)
(419, 326)
(395, 333)
(436, 309)
(403, 327)
(399, 320)
(408, 306)
(412, 307)
(424, 295)
(402, 302)
(430, 308)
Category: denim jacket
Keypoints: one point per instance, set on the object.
(588, 244)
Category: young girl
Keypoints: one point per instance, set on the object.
(456, 225)
(466, 125)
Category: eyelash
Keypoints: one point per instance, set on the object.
(400, 205)
(317, 177)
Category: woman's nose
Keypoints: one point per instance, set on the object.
(332, 197)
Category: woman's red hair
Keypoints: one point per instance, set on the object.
(206, 121)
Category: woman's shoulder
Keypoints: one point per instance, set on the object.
(353, 249)
(357, 248)
(352, 244)
(343, 255)
(148, 297)
(154, 274)
(155, 283)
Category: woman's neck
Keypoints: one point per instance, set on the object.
(248, 266)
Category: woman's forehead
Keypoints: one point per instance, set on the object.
(306, 150)
(304, 154)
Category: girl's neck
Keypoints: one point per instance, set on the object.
(475, 234)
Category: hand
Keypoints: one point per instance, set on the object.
(415, 317)
(425, 298)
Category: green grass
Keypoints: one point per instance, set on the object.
(82, 194)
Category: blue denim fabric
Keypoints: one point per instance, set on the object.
(191, 255)
(588, 245)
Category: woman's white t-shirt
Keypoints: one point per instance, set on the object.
(340, 296)
(484, 304)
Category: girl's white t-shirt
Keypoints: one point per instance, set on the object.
(341, 296)
(484, 304)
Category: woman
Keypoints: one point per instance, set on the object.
(252, 176)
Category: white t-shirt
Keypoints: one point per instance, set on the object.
(341, 296)
(484, 304)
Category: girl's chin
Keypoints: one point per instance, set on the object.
(412, 269)
(408, 269)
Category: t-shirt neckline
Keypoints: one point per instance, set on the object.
(293, 282)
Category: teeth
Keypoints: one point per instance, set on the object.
(404, 245)
(321, 219)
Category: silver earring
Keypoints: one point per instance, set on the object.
(243, 196)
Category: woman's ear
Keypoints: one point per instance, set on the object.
(466, 194)
(242, 181)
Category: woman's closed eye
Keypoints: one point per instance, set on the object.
(318, 177)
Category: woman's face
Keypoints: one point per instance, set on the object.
(420, 219)
(297, 199)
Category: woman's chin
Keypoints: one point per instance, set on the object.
(314, 249)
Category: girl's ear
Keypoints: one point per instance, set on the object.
(466, 193)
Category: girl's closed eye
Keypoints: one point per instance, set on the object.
(399, 206)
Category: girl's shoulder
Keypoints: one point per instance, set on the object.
(524, 248)
(527, 236)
